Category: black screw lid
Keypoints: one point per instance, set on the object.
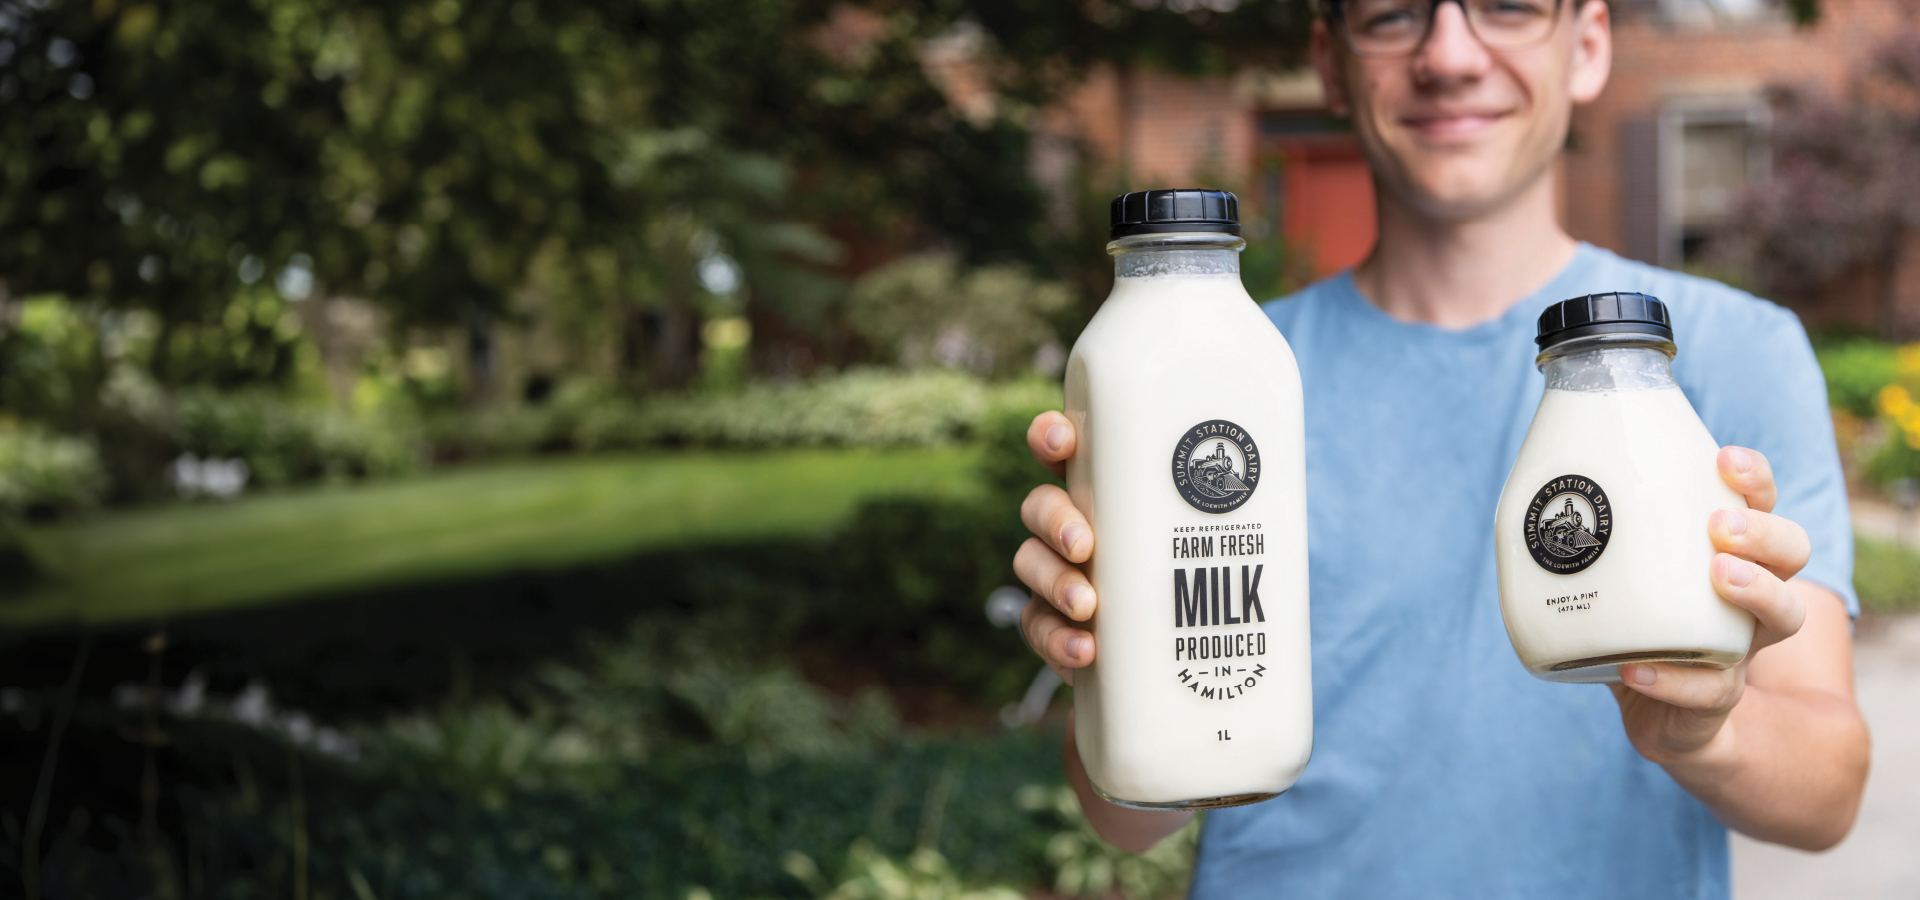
(1616, 313)
(1160, 212)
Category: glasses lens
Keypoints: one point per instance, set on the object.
(1395, 27)
(1511, 23)
(1381, 27)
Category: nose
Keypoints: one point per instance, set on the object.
(1451, 51)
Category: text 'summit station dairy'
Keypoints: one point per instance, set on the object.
(1601, 531)
(1191, 469)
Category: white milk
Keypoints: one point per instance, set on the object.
(1616, 462)
(1181, 384)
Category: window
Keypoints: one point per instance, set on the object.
(1714, 13)
(1710, 150)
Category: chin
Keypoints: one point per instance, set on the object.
(1458, 196)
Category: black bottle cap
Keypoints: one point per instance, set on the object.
(1161, 212)
(1616, 313)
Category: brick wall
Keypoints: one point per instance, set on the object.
(1656, 63)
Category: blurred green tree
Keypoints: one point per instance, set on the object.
(653, 162)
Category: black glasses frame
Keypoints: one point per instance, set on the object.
(1337, 13)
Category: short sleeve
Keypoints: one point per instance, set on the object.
(1753, 378)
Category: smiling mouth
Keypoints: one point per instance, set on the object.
(1456, 126)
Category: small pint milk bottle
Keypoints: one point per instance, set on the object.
(1601, 532)
(1191, 467)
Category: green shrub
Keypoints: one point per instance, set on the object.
(908, 585)
(20, 564)
(1007, 465)
(860, 408)
(1895, 458)
(928, 310)
(1887, 576)
(1856, 370)
(872, 875)
(46, 474)
(673, 681)
(707, 820)
(1085, 865)
(283, 442)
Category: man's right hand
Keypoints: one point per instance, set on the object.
(1049, 562)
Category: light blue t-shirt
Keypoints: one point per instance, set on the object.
(1440, 768)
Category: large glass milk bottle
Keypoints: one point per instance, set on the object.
(1190, 465)
(1601, 532)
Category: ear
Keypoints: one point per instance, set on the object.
(1326, 62)
(1592, 50)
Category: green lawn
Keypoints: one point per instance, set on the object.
(473, 521)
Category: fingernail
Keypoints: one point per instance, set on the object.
(1071, 536)
(1057, 438)
(1741, 459)
(1640, 675)
(1079, 645)
(1079, 597)
(1739, 574)
(1733, 520)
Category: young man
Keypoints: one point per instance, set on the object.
(1441, 769)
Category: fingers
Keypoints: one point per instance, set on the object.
(1063, 647)
(1052, 440)
(1708, 691)
(1748, 472)
(1779, 609)
(1050, 514)
(1055, 580)
(1780, 545)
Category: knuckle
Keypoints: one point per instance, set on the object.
(1035, 503)
(1057, 588)
(1039, 621)
(1029, 555)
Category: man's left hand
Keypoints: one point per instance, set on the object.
(1672, 711)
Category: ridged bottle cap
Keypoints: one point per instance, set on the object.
(1161, 212)
(1615, 313)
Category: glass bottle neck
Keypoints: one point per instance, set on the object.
(1180, 253)
(1609, 362)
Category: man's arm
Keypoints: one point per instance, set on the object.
(1775, 746)
(1132, 830)
(1790, 764)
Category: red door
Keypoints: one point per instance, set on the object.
(1322, 187)
(1329, 204)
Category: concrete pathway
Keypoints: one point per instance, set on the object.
(1881, 858)
(1883, 521)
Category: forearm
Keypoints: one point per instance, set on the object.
(1788, 767)
(1132, 830)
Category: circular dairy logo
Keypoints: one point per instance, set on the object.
(1569, 523)
(1216, 466)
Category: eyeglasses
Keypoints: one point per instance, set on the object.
(1398, 27)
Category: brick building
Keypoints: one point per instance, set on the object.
(1649, 170)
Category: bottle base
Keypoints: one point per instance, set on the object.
(1201, 803)
(1606, 669)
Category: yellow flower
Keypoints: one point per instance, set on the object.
(1894, 400)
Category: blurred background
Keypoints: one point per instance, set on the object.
(572, 448)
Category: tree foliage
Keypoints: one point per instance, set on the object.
(1839, 196)
(441, 155)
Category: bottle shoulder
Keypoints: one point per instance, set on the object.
(1185, 326)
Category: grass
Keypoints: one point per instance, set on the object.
(476, 521)
(1886, 575)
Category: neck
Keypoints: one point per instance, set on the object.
(1458, 274)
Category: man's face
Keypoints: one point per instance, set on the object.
(1454, 129)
